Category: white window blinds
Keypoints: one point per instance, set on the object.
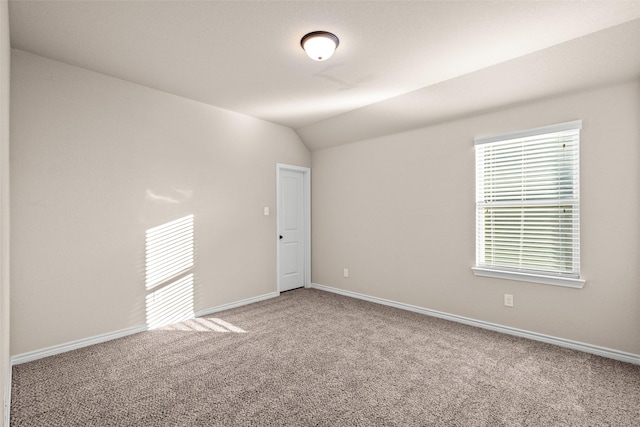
(528, 203)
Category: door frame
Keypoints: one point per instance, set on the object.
(306, 201)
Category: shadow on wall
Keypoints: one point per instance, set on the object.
(169, 280)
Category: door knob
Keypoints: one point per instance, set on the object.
(280, 237)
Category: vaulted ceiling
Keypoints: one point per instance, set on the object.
(399, 64)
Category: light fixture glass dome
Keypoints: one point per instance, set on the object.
(319, 45)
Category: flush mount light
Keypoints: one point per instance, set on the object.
(319, 45)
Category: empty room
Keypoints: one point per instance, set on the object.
(319, 213)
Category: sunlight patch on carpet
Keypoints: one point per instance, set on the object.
(202, 324)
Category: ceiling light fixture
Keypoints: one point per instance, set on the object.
(319, 45)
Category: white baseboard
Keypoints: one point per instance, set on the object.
(575, 345)
(240, 303)
(73, 345)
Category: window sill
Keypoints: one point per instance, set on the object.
(529, 277)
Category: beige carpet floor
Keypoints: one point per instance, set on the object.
(311, 358)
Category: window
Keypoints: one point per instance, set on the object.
(528, 205)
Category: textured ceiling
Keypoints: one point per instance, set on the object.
(394, 56)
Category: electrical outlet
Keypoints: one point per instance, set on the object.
(346, 272)
(508, 300)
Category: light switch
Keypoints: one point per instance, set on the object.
(266, 210)
(508, 300)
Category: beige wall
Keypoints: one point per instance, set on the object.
(398, 211)
(5, 55)
(97, 161)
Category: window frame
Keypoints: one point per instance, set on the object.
(557, 278)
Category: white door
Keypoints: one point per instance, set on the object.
(292, 233)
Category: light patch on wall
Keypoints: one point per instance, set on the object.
(153, 197)
(170, 304)
(169, 251)
(169, 260)
(184, 195)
